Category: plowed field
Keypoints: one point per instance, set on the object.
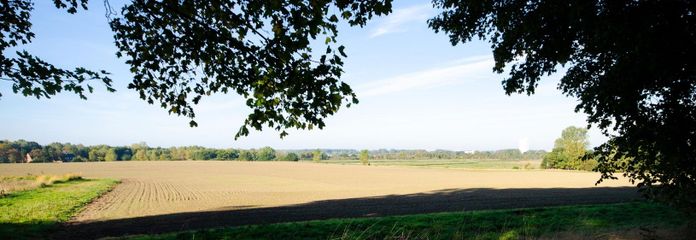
(165, 196)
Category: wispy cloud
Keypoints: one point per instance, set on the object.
(398, 20)
(474, 68)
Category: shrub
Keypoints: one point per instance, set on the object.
(364, 157)
(317, 155)
(71, 177)
(43, 180)
(47, 180)
(528, 166)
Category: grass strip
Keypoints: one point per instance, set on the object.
(34, 213)
(490, 224)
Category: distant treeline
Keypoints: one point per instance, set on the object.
(505, 154)
(28, 151)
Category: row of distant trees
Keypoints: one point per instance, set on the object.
(17, 151)
(505, 154)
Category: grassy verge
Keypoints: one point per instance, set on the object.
(33, 213)
(495, 224)
(9, 184)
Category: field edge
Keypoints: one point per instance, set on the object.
(39, 212)
(573, 220)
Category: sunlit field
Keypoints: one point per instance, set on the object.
(154, 188)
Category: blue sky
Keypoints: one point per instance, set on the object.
(416, 91)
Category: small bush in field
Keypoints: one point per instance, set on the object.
(71, 177)
(47, 180)
(43, 180)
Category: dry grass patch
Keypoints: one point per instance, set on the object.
(47, 180)
(10, 184)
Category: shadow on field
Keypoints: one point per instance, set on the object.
(33, 230)
(438, 201)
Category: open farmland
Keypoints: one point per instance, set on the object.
(161, 196)
(447, 163)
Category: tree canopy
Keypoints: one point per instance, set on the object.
(630, 64)
(16, 152)
(181, 51)
(29, 74)
(569, 151)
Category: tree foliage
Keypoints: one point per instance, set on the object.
(364, 157)
(29, 74)
(181, 51)
(247, 155)
(317, 155)
(630, 63)
(266, 154)
(110, 155)
(291, 157)
(15, 152)
(401, 154)
(569, 151)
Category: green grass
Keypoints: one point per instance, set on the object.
(34, 213)
(491, 224)
(448, 163)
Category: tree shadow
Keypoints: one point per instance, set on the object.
(447, 200)
(30, 230)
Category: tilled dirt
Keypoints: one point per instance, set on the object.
(158, 197)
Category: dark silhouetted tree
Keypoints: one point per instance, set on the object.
(630, 63)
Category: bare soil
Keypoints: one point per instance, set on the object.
(169, 196)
